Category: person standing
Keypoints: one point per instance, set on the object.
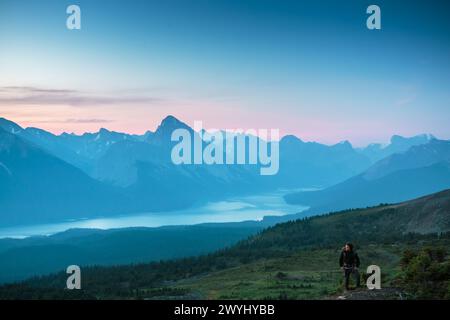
(349, 263)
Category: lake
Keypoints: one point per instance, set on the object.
(234, 209)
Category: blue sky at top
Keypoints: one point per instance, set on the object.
(310, 68)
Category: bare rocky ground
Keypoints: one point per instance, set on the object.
(376, 294)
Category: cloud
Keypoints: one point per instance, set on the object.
(405, 101)
(23, 95)
(76, 121)
(25, 89)
(88, 121)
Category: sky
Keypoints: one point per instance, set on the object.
(308, 68)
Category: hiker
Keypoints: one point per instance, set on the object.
(349, 262)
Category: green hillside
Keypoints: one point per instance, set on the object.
(114, 246)
(297, 259)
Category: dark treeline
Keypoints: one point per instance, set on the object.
(378, 225)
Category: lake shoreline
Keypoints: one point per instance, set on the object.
(249, 208)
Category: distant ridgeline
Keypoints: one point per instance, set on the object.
(50, 178)
(418, 171)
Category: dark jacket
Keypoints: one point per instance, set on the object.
(349, 259)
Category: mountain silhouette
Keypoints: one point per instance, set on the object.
(421, 170)
(35, 186)
(398, 144)
(119, 172)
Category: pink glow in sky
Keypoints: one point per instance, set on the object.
(62, 110)
(138, 118)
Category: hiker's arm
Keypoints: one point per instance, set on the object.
(341, 260)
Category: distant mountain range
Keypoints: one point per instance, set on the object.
(420, 170)
(47, 177)
(398, 144)
(36, 186)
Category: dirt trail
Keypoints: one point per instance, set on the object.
(365, 294)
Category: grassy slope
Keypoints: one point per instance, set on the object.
(306, 274)
(296, 259)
